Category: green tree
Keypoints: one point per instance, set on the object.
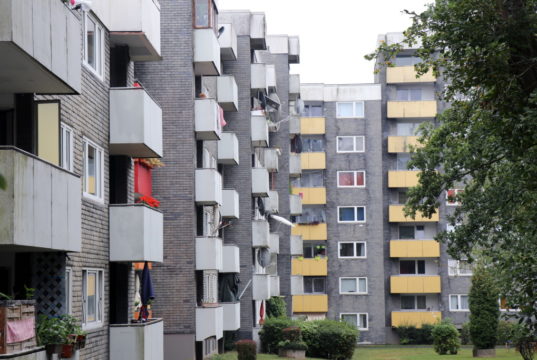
(484, 310)
(486, 141)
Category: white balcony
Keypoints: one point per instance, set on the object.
(274, 286)
(135, 123)
(261, 286)
(260, 182)
(271, 78)
(232, 316)
(295, 165)
(294, 50)
(295, 205)
(136, 233)
(258, 79)
(230, 259)
(294, 87)
(274, 242)
(270, 159)
(260, 234)
(209, 252)
(41, 206)
(208, 187)
(272, 202)
(136, 23)
(258, 31)
(228, 92)
(207, 119)
(228, 149)
(230, 204)
(294, 124)
(140, 341)
(41, 47)
(297, 245)
(206, 53)
(297, 285)
(228, 42)
(209, 323)
(260, 131)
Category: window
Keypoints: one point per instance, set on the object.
(312, 145)
(402, 197)
(314, 285)
(204, 14)
(453, 197)
(312, 250)
(352, 250)
(93, 44)
(311, 216)
(504, 306)
(92, 299)
(93, 171)
(412, 267)
(309, 179)
(68, 291)
(350, 144)
(353, 285)
(408, 95)
(67, 145)
(407, 128)
(459, 268)
(402, 162)
(312, 110)
(458, 303)
(413, 302)
(351, 214)
(407, 60)
(350, 109)
(411, 232)
(357, 319)
(351, 178)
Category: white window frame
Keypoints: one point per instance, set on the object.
(354, 250)
(355, 215)
(358, 322)
(69, 290)
(99, 178)
(354, 112)
(99, 311)
(354, 172)
(355, 138)
(67, 149)
(357, 280)
(456, 265)
(99, 58)
(458, 301)
(453, 203)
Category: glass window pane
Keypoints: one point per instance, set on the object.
(91, 170)
(345, 143)
(345, 109)
(360, 178)
(91, 297)
(363, 321)
(308, 285)
(346, 249)
(403, 61)
(464, 302)
(421, 266)
(202, 13)
(360, 249)
(350, 318)
(360, 214)
(359, 109)
(422, 302)
(454, 302)
(346, 214)
(90, 42)
(359, 143)
(316, 110)
(406, 232)
(348, 285)
(407, 267)
(362, 285)
(402, 197)
(308, 251)
(415, 94)
(402, 161)
(318, 285)
(402, 95)
(346, 178)
(407, 302)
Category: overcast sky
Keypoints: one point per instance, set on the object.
(334, 34)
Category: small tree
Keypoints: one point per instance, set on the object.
(276, 307)
(446, 338)
(484, 309)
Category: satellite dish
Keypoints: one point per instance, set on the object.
(299, 106)
(263, 257)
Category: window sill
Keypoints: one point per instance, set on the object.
(93, 71)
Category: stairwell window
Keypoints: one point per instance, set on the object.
(359, 320)
(353, 179)
(348, 110)
(350, 144)
(352, 250)
(93, 45)
(351, 214)
(92, 298)
(353, 285)
(458, 303)
(93, 171)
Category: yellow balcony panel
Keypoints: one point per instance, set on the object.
(402, 178)
(415, 284)
(309, 267)
(416, 318)
(407, 74)
(396, 214)
(414, 248)
(310, 232)
(402, 144)
(312, 126)
(311, 196)
(412, 109)
(310, 303)
(313, 161)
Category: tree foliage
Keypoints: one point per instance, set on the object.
(486, 141)
(446, 338)
(484, 311)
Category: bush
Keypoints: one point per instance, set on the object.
(465, 334)
(446, 338)
(272, 333)
(230, 337)
(505, 332)
(484, 310)
(246, 350)
(329, 339)
(293, 339)
(411, 335)
(276, 307)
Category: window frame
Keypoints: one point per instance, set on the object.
(100, 54)
(354, 144)
(99, 183)
(354, 250)
(357, 320)
(415, 298)
(99, 288)
(458, 302)
(357, 282)
(69, 290)
(354, 172)
(416, 267)
(212, 16)
(66, 129)
(354, 113)
(312, 279)
(355, 215)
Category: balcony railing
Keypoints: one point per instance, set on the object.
(396, 214)
(271, 78)
(415, 318)
(230, 204)
(313, 160)
(260, 131)
(228, 149)
(402, 144)
(231, 259)
(297, 285)
(310, 303)
(312, 126)
(295, 204)
(294, 87)
(209, 250)
(311, 232)
(228, 42)
(207, 122)
(228, 92)
(206, 53)
(261, 286)
(258, 31)
(415, 284)
(140, 341)
(208, 187)
(297, 245)
(403, 178)
(270, 159)
(294, 49)
(311, 196)
(407, 75)
(258, 80)
(260, 182)
(414, 248)
(274, 286)
(232, 316)
(209, 322)
(412, 109)
(272, 202)
(274, 243)
(260, 234)
(309, 267)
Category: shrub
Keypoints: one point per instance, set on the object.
(329, 339)
(272, 333)
(505, 332)
(446, 338)
(465, 334)
(276, 307)
(293, 339)
(411, 335)
(230, 337)
(484, 310)
(246, 350)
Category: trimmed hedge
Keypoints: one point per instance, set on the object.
(246, 350)
(411, 335)
(276, 307)
(272, 333)
(446, 338)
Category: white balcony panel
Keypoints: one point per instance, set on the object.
(272, 202)
(208, 187)
(228, 42)
(274, 286)
(228, 92)
(294, 87)
(270, 159)
(260, 182)
(209, 252)
(294, 124)
(40, 47)
(258, 31)
(274, 242)
(260, 234)
(207, 119)
(261, 286)
(294, 50)
(140, 341)
(231, 259)
(232, 316)
(297, 285)
(297, 245)
(40, 209)
(209, 322)
(230, 204)
(136, 233)
(206, 52)
(135, 123)
(136, 23)
(260, 131)
(258, 79)
(295, 204)
(271, 78)
(295, 165)
(228, 149)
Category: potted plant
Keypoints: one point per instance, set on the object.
(60, 335)
(292, 346)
